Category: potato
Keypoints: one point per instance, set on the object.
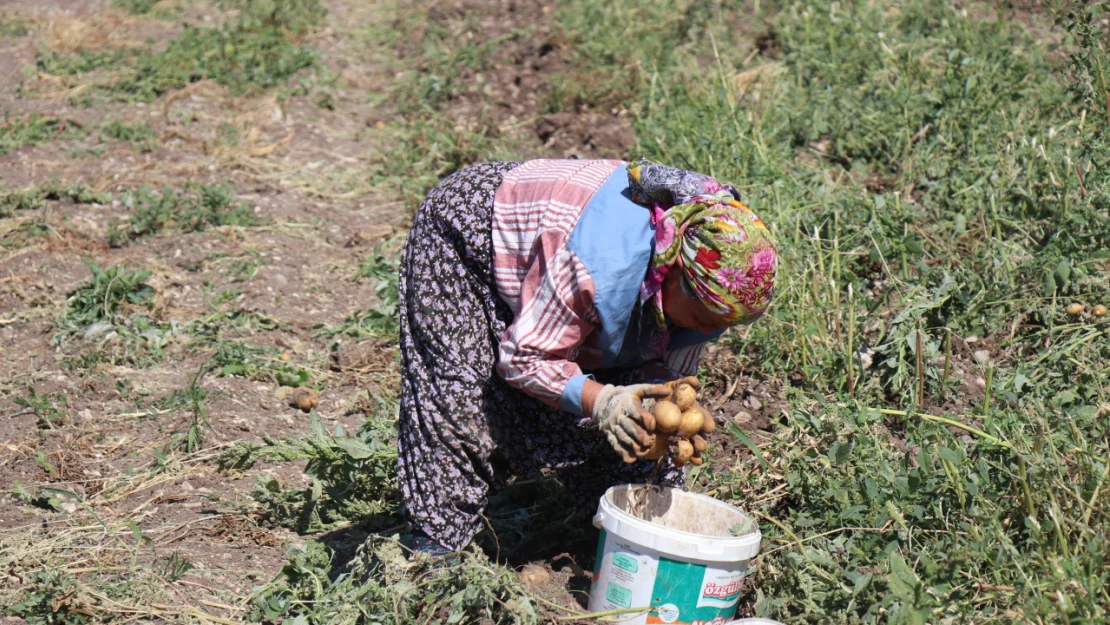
(667, 417)
(691, 424)
(685, 396)
(1099, 311)
(659, 447)
(699, 444)
(305, 398)
(1075, 309)
(696, 461)
(685, 452)
(709, 425)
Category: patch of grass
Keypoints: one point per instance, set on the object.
(257, 52)
(224, 296)
(33, 129)
(190, 209)
(141, 135)
(12, 200)
(110, 313)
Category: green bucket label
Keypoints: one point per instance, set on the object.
(619, 595)
(626, 562)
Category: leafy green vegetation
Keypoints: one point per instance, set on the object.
(297, 17)
(256, 52)
(106, 296)
(141, 135)
(51, 409)
(354, 478)
(256, 363)
(135, 7)
(382, 320)
(12, 200)
(33, 129)
(378, 589)
(14, 26)
(49, 600)
(193, 208)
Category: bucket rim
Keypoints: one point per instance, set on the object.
(749, 541)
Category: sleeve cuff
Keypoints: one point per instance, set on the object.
(571, 399)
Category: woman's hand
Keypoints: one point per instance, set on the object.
(618, 413)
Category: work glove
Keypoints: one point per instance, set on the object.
(628, 427)
(691, 380)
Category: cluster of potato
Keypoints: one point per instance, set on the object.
(679, 425)
(1075, 309)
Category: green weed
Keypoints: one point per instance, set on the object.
(140, 135)
(51, 598)
(14, 26)
(353, 477)
(297, 17)
(382, 320)
(44, 500)
(51, 409)
(379, 589)
(174, 567)
(135, 7)
(235, 358)
(103, 298)
(196, 398)
(190, 209)
(33, 129)
(12, 200)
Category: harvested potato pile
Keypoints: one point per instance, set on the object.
(680, 423)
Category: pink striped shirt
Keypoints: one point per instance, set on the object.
(549, 290)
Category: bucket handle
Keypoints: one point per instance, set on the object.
(599, 518)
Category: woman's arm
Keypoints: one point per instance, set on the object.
(557, 313)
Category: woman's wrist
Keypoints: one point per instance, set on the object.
(590, 391)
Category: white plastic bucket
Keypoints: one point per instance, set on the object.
(676, 560)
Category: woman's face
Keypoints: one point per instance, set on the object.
(687, 311)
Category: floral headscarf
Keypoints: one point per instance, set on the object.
(724, 250)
